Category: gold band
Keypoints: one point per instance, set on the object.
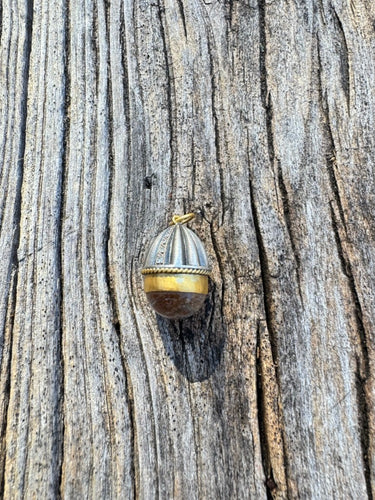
(193, 283)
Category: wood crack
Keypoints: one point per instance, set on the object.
(261, 417)
(230, 5)
(147, 376)
(344, 55)
(264, 268)
(1, 20)
(340, 232)
(215, 119)
(221, 267)
(364, 427)
(125, 74)
(363, 371)
(5, 382)
(182, 15)
(14, 262)
(331, 166)
(63, 188)
(269, 417)
(331, 157)
(265, 95)
(340, 228)
(289, 227)
(110, 283)
(126, 371)
(272, 355)
(170, 93)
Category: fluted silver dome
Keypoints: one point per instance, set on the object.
(176, 249)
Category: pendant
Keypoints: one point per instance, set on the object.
(176, 271)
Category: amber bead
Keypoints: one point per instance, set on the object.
(176, 305)
(177, 295)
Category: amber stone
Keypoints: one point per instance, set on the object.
(176, 305)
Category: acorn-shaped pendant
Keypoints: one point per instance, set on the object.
(176, 271)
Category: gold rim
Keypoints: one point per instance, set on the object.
(176, 283)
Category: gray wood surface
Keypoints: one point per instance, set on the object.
(259, 116)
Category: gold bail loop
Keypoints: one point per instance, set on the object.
(182, 219)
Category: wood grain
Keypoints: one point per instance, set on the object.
(259, 117)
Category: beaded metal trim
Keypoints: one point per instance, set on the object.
(175, 270)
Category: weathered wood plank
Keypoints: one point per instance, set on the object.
(34, 424)
(259, 117)
(320, 350)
